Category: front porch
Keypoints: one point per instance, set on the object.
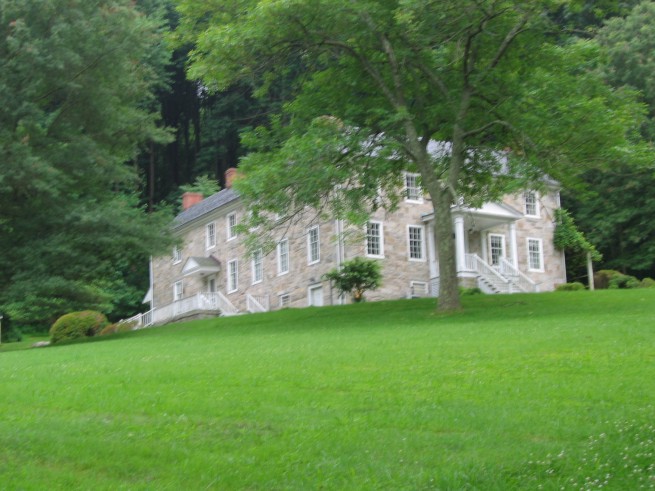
(482, 259)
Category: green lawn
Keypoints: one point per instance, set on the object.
(516, 392)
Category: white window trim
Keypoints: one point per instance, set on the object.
(536, 205)
(231, 288)
(281, 272)
(177, 255)
(310, 260)
(281, 302)
(409, 248)
(541, 254)
(178, 290)
(230, 233)
(381, 255)
(420, 191)
(210, 239)
(257, 253)
(504, 245)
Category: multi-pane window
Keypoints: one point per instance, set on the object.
(177, 255)
(413, 190)
(284, 300)
(531, 203)
(210, 235)
(374, 239)
(496, 248)
(313, 245)
(178, 290)
(232, 276)
(257, 266)
(231, 226)
(535, 255)
(415, 242)
(283, 256)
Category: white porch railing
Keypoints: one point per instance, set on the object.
(523, 282)
(257, 303)
(204, 301)
(435, 285)
(494, 279)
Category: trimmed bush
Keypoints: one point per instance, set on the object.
(77, 325)
(470, 291)
(609, 278)
(648, 283)
(570, 287)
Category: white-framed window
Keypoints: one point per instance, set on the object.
(313, 245)
(374, 239)
(531, 204)
(535, 255)
(315, 296)
(413, 191)
(257, 266)
(178, 290)
(177, 255)
(496, 248)
(283, 256)
(415, 243)
(283, 300)
(232, 275)
(231, 226)
(210, 235)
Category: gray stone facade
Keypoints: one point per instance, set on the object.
(512, 231)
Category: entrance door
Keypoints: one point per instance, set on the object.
(211, 284)
(316, 296)
(496, 248)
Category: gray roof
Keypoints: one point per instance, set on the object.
(207, 205)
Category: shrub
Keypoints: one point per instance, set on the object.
(648, 283)
(356, 276)
(77, 325)
(570, 287)
(624, 281)
(469, 291)
(118, 327)
(603, 277)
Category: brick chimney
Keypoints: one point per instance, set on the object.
(190, 199)
(230, 174)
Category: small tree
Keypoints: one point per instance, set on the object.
(356, 276)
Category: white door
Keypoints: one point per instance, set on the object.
(316, 296)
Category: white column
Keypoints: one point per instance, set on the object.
(460, 249)
(432, 252)
(483, 245)
(512, 245)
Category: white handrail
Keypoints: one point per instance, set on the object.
(475, 263)
(257, 303)
(523, 282)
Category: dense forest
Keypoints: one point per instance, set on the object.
(102, 124)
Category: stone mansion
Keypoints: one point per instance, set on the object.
(502, 247)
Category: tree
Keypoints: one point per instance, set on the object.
(76, 105)
(381, 80)
(616, 213)
(356, 277)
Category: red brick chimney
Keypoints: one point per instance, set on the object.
(230, 174)
(190, 199)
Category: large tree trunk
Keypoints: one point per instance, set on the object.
(443, 238)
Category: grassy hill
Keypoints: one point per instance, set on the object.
(516, 392)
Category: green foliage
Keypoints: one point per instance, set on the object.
(608, 278)
(568, 238)
(356, 276)
(648, 283)
(570, 287)
(10, 332)
(77, 325)
(77, 103)
(470, 291)
(204, 185)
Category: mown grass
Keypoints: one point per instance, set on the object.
(544, 391)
